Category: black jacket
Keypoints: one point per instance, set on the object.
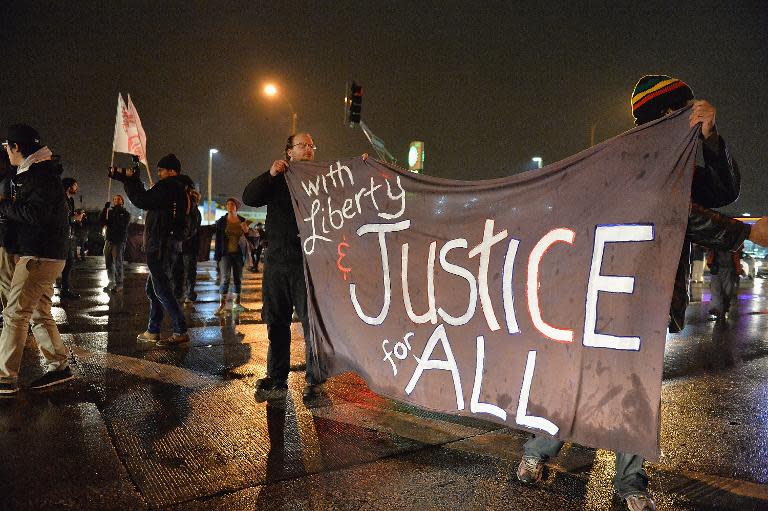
(116, 221)
(37, 213)
(159, 202)
(284, 242)
(6, 175)
(716, 183)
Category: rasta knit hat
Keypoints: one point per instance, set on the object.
(653, 94)
(169, 162)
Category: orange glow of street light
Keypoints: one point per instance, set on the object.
(270, 89)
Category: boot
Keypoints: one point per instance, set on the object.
(236, 304)
(222, 306)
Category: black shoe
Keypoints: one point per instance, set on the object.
(8, 389)
(52, 378)
(312, 391)
(67, 294)
(268, 389)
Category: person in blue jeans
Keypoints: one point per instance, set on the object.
(162, 202)
(231, 248)
(716, 183)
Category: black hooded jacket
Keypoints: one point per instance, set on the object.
(36, 213)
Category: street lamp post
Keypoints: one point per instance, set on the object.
(211, 152)
(271, 91)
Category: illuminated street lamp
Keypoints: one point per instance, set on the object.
(211, 152)
(270, 90)
(537, 160)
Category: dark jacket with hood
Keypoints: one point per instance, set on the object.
(284, 242)
(36, 213)
(716, 183)
(161, 203)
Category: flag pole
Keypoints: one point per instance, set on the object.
(109, 179)
(149, 173)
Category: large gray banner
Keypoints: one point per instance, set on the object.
(539, 301)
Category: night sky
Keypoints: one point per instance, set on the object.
(485, 85)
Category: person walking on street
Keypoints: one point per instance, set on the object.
(231, 248)
(115, 220)
(71, 187)
(284, 287)
(37, 223)
(725, 268)
(164, 203)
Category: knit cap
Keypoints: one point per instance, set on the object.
(169, 162)
(653, 94)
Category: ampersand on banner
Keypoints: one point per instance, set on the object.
(345, 270)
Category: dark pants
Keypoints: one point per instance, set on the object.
(231, 264)
(630, 476)
(68, 265)
(723, 287)
(256, 255)
(184, 273)
(161, 296)
(284, 290)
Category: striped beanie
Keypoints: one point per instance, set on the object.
(653, 94)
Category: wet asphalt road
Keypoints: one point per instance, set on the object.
(146, 427)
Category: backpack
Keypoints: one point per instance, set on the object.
(186, 215)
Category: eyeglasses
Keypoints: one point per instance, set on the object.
(302, 145)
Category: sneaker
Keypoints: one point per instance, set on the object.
(640, 502)
(530, 470)
(175, 339)
(8, 389)
(108, 288)
(269, 390)
(148, 337)
(52, 378)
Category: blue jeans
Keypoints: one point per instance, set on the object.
(161, 297)
(113, 257)
(630, 476)
(231, 264)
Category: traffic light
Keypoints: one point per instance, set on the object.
(416, 156)
(355, 104)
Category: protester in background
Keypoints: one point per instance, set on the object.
(258, 242)
(716, 183)
(185, 263)
(231, 248)
(115, 220)
(162, 202)
(37, 232)
(725, 268)
(70, 188)
(284, 287)
(80, 230)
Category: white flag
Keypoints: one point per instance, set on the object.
(129, 135)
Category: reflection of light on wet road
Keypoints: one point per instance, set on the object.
(600, 487)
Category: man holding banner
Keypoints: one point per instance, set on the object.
(716, 183)
(284, 287)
